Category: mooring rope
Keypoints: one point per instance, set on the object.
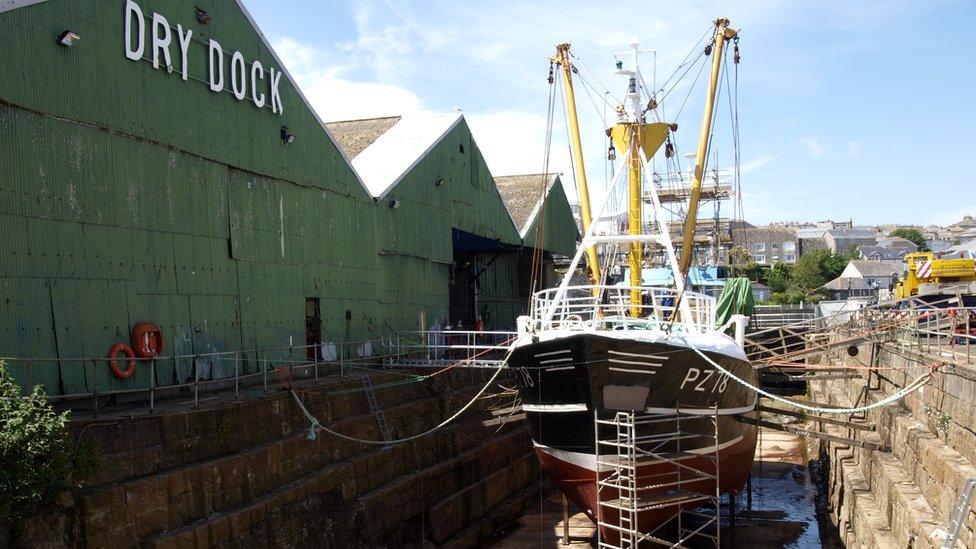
(915, 385)
(317, 426)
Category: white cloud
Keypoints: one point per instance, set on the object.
(336, 98)
(950, 216)
(813, 146)
(512, 141)
(756, 163)
(854, 149)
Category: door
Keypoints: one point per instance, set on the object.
(313, 328)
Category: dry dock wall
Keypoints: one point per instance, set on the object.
(248, 475)
(901, 498)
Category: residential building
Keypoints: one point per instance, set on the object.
(768, 245)
(880, 253)
(848, 288)
(842, 240)
(898, 243)
(878, 274)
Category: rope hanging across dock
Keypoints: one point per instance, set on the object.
(915, 385)
(317, 426)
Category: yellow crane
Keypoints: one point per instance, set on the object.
(561, 59)
(924, 268)
(722, 34)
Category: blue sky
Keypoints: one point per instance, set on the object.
(847, 109)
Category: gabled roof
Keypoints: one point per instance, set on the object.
(878, 268)
(523, 196)
(816, 232)
(391, 156)
(354, 136)
(880, 252)
(841, 284)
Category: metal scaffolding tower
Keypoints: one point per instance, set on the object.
(649, 472)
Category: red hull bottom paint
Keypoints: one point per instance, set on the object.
(579, 483)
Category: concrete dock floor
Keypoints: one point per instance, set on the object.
(783, 512)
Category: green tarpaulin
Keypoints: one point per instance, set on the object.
(736, 298)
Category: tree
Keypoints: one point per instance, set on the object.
(35, 460)
(754, 272)
(912, 234)
(808, 274)
(778, 277)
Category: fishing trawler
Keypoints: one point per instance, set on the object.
(589, 351)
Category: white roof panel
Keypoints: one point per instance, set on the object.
(384, 163)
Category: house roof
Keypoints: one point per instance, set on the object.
(880, 252)
(852, 233)
(878, 268)
(816, 232)
(938, 245)
(963, 250)
(355, 135)
(523, 196)
(892, 241)
(966, 222)
(391, 156)
(840, 283)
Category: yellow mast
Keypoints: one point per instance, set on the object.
(586, 216)
(636, 255)
(722, 33)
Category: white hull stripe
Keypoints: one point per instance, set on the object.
(690, 411)
(550, 353)
(556, 360)
(554, 407)
(703, 411)
(638, 355)
(632, 371)
(559, 368)
(588, 461)
(634, 362)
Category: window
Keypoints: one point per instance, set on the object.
(790, 258)
(789, 246)
(761, 258)
(758, 247)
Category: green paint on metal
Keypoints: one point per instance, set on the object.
(130, 195)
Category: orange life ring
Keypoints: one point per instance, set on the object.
(113, 352)
(147, 340)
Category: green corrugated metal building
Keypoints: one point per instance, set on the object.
(200, 191)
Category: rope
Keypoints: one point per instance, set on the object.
(915, 385)
(317, 426)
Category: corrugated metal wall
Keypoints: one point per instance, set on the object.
(128, 195)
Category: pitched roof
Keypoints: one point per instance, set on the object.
(355, 135)
(839, 284)
(522, 195)
(852, 233)
(878, 268)
(385, 161)
(881, 252)
(816, 232)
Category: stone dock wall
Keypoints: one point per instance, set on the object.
(901, 498)
(248, 474)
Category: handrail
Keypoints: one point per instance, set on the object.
(600, 306)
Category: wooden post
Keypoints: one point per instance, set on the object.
(565, 520)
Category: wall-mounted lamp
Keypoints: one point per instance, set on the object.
(611, 153)
(440, 181)
(203, 17)
(287, 137)
(68, 38)
(394, 203)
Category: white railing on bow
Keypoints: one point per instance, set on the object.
(610, 308)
